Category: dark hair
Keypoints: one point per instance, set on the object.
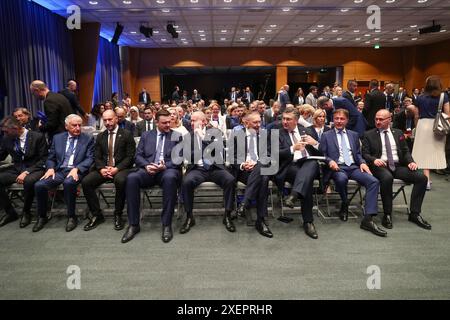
(162, 113)
(433, 86)
(96, 110)
(312, 88)
(373, 83)
(10, 122)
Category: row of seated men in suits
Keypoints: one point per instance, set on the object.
(75, 158)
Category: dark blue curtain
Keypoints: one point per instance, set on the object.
(35, 44)
(108, 74)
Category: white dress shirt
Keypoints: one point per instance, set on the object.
(341, 157)
(393, 146)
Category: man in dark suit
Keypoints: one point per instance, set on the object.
(155, 167)
(176, 95)
(148, 124)
(233, 95)
(196, 97)
(415, 95)
(206, 165)
(404, 120)
(247, 169)
(70, 158)
(284, 98)
(342, 151)
(352, 85)
(56, 108)
(271, 115)
(71, 94)
(401, 95)
(390, 99)
(374, 101)
(28, 150)
(389, 158)
(114, 157)
(144, 97)
(248, 96)
(296, 144)
(356, 120)
(23, 115)
(123, 122)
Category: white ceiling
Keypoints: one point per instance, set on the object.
(250, 23)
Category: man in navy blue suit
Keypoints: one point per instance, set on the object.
(155, 167)
(356, 121)
(296, 145)
(201, 169)
(341, 148)
(70, 158)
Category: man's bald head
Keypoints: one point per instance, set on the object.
(383, 119)
(39, 89)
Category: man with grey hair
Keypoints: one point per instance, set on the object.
(70, 158)
(56, 108)
(23, 115)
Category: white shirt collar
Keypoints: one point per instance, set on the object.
(24, 134)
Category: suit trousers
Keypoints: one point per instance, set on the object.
(257, 188)
(371, 184)
(387, 177)
(42, 187)
(301, 176)
(94, 179)
(198, 175)
(168, 180)
(9, 177)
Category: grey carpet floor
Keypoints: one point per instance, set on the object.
(211, 263)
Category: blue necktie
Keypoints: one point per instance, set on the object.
(345, 149)
(159, 147)
(69, 152)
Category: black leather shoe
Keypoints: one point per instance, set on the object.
(240, 211)
(25, 220)
(387, 221)
(40, 223)
(310, 230)
(94, 222)
(263, 229)
(7, 218)
(290, 201)
(229, 224)
(187, 225)
(130, 233)
(417, 219)
(167, 234)
(72, 223)
(370, 225)
(343, 213)
(118, 223)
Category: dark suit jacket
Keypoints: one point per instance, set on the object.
(356, 121)
(245, 99)
(124, 150)
(230, 96)
(74, 102)
(314, 132)
(36, 152)
(83, 157)
(130, 126)
(175, 96)
(329, 146)
(141, 97)
(147, 147)
(32, 125)
(375, 100)
(399, 121)
(197, 98)
(56, 108)
(141, 127)
(187, 124)
(284, 99)
(347, 95)
(269, 116)
(372, 147)
(286, 157)
(205, 144)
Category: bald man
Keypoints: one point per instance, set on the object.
(388, 157)
(114, 157)
(56, 108)
(70, 92)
